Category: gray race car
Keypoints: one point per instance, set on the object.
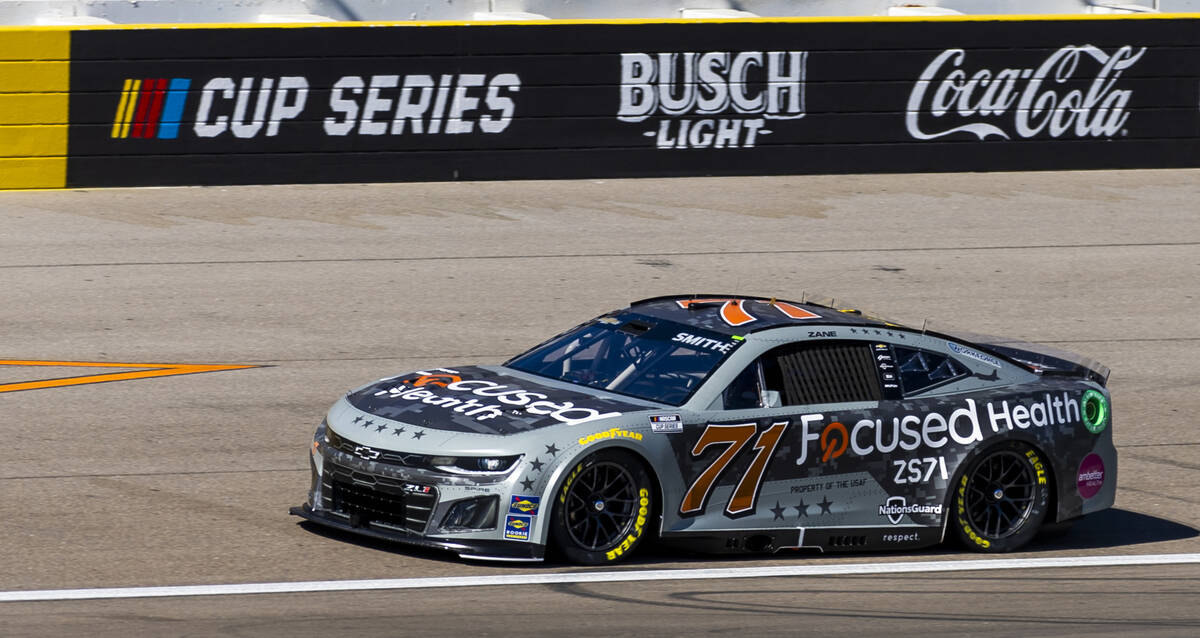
(724, 424)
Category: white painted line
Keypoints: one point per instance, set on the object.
(852, 569)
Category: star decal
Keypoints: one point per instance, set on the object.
(825, 503)
(418, 434)
(536, 465)
(381, 428)
(801, 509)
(368, 422)
(551, 450)
(853, 331)
(527, 484)
(901, 335)
(877, 332)
(778, 511)
(398, 431)
(358, 419)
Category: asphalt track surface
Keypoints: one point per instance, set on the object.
(186, 479)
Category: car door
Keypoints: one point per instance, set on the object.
(769, 454)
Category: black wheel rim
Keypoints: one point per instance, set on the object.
(601, 506)
(1000, 495)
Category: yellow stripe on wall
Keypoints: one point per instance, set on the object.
(34, 83)
(125, 108)
(135, 89)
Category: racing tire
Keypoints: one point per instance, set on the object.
(603, 508)
(1001, 499)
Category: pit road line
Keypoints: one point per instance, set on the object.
(854, 569)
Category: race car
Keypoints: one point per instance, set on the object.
(727, 424)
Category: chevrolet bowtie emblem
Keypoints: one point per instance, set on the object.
(364, 452)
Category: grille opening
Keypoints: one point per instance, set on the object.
(364, 505)
(378, 500)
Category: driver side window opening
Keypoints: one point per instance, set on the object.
(745, 392)
(921, 370)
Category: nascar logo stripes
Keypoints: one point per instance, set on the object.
(150, 108)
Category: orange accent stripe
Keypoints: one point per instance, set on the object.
(146, 371)
(795, 312)
(731, 309)
(734, 314)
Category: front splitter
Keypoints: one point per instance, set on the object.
(473, 549)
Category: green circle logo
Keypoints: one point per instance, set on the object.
(1095, 411)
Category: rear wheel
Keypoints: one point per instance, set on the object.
(602, 510)
(1001, 499)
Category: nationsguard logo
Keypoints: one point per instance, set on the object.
(896, 507)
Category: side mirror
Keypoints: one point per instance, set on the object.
(771, 399)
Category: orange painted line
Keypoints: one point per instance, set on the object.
(146, 371)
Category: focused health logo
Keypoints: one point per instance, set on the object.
(150, 108)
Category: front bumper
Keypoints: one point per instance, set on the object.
(466, 548)
(384, 499)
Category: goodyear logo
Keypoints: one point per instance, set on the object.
(150, 108)
(611, 433)
(517, 528)
(524, 505)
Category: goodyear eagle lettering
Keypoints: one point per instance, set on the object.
(611, 433)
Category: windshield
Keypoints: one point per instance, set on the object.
(634, 355)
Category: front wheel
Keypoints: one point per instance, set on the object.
(1001, 499)
(602, 510)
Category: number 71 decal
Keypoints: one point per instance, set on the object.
(735, 437)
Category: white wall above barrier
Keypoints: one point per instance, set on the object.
(91, 12)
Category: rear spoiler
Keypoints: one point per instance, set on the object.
(1038, 357)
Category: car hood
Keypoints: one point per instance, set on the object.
(486, 400)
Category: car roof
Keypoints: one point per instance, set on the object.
(741, 314)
